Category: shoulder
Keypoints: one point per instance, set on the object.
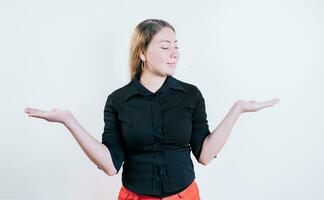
(190, 88)
(117, 95)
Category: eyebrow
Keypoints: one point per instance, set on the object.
(167, 41)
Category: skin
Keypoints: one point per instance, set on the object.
(161, 51)
(160, 58)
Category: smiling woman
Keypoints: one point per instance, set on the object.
(154, 122)
(154, 49)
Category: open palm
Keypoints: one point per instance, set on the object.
(55, 115)
(252, 106)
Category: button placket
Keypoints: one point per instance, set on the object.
(159, 161)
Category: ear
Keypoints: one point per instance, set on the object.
(142, 54)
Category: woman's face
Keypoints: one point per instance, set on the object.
(162, 53)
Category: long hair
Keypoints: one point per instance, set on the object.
(141, 38)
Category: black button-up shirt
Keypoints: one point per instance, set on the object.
(153, 134)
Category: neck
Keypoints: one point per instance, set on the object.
(152, 81)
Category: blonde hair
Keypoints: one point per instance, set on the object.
(141, 37)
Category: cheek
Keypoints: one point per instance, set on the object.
(158, 58)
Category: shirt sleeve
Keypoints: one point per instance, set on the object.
(111, 136)
(200, 128)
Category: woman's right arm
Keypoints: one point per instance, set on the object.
(97, 152)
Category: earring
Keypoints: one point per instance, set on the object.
(142, 65)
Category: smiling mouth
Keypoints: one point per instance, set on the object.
(173, 65)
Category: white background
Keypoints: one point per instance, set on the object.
(71, 54)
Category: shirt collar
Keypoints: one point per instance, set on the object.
(136, 87)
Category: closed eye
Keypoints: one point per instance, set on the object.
(168, 48)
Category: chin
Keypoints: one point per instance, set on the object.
(171, 73)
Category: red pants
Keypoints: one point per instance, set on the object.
(190, 193)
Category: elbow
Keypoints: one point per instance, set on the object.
(111, 174)
(108, 172)
(204, 163)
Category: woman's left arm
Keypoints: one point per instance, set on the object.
(214, 142)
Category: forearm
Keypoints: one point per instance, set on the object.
(214, 142)
(97, 152)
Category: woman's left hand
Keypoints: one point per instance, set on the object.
(252, 106)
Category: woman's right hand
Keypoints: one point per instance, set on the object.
(55, 115)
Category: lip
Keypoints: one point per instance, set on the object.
(173, 65)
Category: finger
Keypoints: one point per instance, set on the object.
(272, 102)
(29, 110)
(276, 100)
(32, 110)
(37, 114)
(268, 103)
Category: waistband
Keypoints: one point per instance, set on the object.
(191, 190)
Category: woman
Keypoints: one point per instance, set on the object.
(154, 122)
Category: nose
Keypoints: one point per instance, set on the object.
(174, 53)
